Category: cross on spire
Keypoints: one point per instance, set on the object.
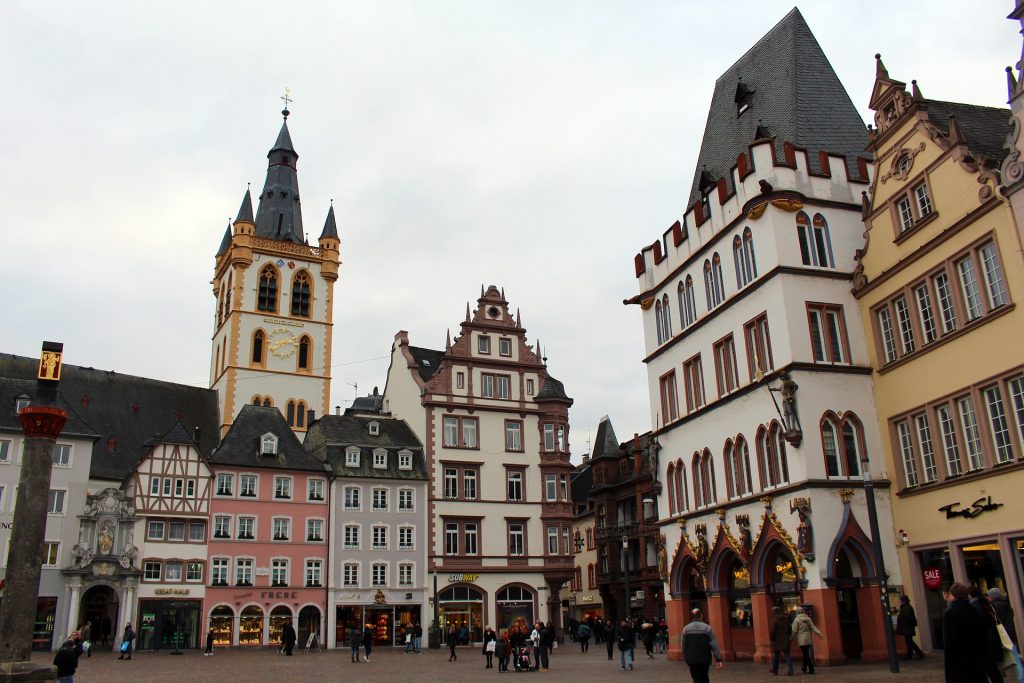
(287, 100)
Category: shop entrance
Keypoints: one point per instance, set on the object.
(783, 584)
(935, 562)
(100, 607)
(984, 566)
(309, 622)
(381, 622)
(697, 591)
(741, 617)
(345, 618)
(515, 608)
(168, 624)
(846, 596)
(461, 607)
(222, 622)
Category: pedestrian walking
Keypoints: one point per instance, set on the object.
(699, 646)
(625, 636)
(964, 640)
(367, 642)
(1004, 613)
(127, 638)
(417, 638)
(535, 644)
(906, 626)
(66, 661)
(780, 633)
(609, 637)
(994, 644)
(501, 651)
(209, 644)
(288, 638)
(583, 636)
(355, 639)
(647, 633)
(547, 644)
(490, 644)
(803, 628)
(86, 631)
(453, 641)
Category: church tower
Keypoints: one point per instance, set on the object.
(274, 297)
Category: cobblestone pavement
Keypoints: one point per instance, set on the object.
(567, 664)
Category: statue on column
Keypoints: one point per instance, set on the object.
(106, 539)
(804, 530)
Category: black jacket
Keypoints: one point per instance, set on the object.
(965, 643)
(66, 662)
(626, 637)
(906, 621)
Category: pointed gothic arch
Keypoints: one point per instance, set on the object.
(258, 354)
(302, 294)
(303, 359)
(851, 539)
(266, 298)
(770, 542)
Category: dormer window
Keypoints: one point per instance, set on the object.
(352, 457)
(374, 428)
(268, 444)
(380, 459)
(21, 402)
(744, 98)
(405, 460)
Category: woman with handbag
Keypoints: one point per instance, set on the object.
(126, 641)
(490, 643)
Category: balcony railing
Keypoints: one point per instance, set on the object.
(629, 530)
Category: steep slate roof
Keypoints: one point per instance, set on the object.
(796, 96)
(225, 242)
(984, 129)
(279, 216)
(552, 389)
(241, 445)
(177, 435)
(581, 484)
(329, 437)
(123, 413)
(428, 360)
(606, 445)
(330, 225)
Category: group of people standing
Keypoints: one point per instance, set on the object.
(516, 645)
(979, 637)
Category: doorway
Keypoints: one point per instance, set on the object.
(100, 608)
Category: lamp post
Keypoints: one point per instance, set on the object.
(883, 580)
(434, 635)
(625, 575)
(42, 424)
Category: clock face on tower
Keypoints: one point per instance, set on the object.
(282, 342)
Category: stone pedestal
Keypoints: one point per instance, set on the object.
(718, 618)
(22, 672)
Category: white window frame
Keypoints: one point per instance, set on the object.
(64, 458)
(379, 499)
(405, 460)
(406, 537)
(240, 521)
(379, 537)
(312, 522)
(350, 575)
(403, 505)
(314, 573)
(352, 457)
(222, 478)
(56, 502)
(283, 485)
(315, 490)
(281, 529)
(247, 478)
(352, 497)
(347, 533)
(380, 459)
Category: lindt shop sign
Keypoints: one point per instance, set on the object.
(932, 578)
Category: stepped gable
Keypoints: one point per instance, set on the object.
(792, 92)
(242, 444)
(123, 413)
(329, 437)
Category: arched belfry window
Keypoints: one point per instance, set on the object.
(266, 299)
(815, 242)
(305, 351)
(301, 294)
(259, 347)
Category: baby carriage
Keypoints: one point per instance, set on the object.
(522, 659)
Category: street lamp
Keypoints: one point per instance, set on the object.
(625, 575)
(883, 581)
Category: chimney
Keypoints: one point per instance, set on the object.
(337, 410)
(195, 435)
(310, 416)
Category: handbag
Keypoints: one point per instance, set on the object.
(124, 646)
(1004, 637)
(491, 644)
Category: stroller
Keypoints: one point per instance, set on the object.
(522, 659)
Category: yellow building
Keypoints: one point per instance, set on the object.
(938, 284)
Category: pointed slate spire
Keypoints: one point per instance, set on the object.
(245, 210)
(226, 242)
(519, 322)
(467, 311)
(915, 91)
(279, 216)
(330, 227)
(448, 341)
(880, 70)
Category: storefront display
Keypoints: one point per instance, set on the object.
(279, 616)
(168, 624)
(515, 608)
(42, 630)
(461, 607)
(222, 621)
(380, 621)
(937, 575)
(250, 626)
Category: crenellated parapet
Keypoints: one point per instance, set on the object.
(759, 179)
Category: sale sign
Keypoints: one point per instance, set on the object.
(932, 578)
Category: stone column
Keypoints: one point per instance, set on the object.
(718, 618)
(761, 604)
(872, 630)
(127, 608)
(828, 650)
(41, 426)
(677, 616)
(75, 590)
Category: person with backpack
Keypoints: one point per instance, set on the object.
(699, 646)
(583, 636)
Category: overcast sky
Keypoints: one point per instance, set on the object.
(534, 145)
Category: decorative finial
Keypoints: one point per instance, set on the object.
(287, 100)
(915, 91)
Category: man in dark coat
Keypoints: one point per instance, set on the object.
(66, 661)
(609, 637)
(288, 638)
(964, 639)
(699, 645)
(781, 636)
(906, 626)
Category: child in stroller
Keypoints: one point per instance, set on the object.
(523, 661)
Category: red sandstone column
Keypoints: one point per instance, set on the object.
(828, 650)
(718, 618)
(761, 605)
(872, 629)
(677, 614)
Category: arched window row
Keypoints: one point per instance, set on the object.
(295, 413)
(678, 493)
(743, 257)
(737, 468)
(842, 444)
(702, 468)
(714, 284)
(772, 465)
(815, 242)
(264, 401)
(268, 291)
